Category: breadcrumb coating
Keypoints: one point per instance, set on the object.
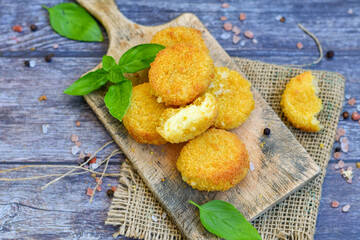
(235, 98)
(183, 124)
(180, 73)
(300, 102)
(214, 161)
(171, 35)
(142, 117)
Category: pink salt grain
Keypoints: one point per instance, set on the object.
(335, 204)
(340, 132)
(236, 39)
(225, 5)
(81, 155)
(89, 192)
(337, 155)
(346, 208)
(242, 16)
(98, 180)
(227, 26)
(17, 28)
(98, 188)
(236, 30)
(299, 45)
(355, 116)
(223, 18)
(341, 164)
(352, 101)
(248, 34)
(74, 138)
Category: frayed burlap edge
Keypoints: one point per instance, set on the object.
(139, 215)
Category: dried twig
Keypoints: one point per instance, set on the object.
(69, 172)
(107, 160)
(318, 45)
(36, 177)
(52, 175)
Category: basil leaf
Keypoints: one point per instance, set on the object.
(117, 99)
(108, 62)
(139, 57)
(224, 220)
(88, 83)
(116, 75)
(74, 22)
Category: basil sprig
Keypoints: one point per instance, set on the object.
(117, 99)
(224, 220)
(74, 22)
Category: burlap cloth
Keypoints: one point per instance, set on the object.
(133, 205)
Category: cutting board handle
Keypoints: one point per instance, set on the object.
(107, 12)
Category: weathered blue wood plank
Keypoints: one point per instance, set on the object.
(61, 211)
(21, 114)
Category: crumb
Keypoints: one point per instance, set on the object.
(42, 98)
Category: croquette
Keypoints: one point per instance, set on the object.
(214, 161)
(300, 102)
(234, 96)
(142, 117)
(180, 73)
(171, 35)
(183, 124)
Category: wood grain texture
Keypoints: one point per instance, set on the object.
(282, 165)
(46, 215)
(328, 19)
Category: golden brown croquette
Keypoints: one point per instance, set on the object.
(171, 35)
(234, 96)
(300, 102)
(214, 161)
(182, 124)
(180, 73)
(142, 117)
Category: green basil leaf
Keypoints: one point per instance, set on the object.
(139, 57)
(224, 220)
(117, 99)
(116, 75)
(74, 22)
(88, 83)
(108, 63)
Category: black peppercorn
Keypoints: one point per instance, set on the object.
(346, 115)
(267, 131)
(48, 57)
(27, 63)
(282, 19)
(110, 193)
(86, 158)
(337, 149)
(33, 27)
(330, 54)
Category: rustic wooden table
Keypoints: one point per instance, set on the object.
(62, 210)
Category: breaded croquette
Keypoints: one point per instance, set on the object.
(300, 102)
(234, 96)
(180, 73)
(171, 35)
(214, 161)
(142, 117)
(183, 124)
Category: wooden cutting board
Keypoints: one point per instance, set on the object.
(282, 165)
